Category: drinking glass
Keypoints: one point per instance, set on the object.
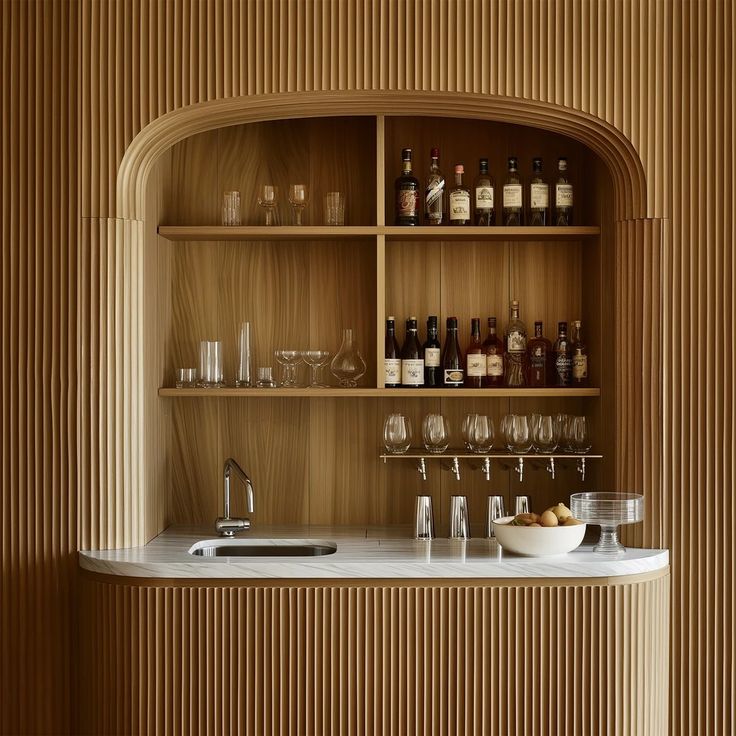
(436, 433)
(480, 434)
(268, 198)
(562, 425)
(397, 434)
(544, 433)
(464, 429)
(186, 377)
(210, 364)
(518, 434)
(299, 198)
(288, 359)
(316, 359)
(578, 435)
(334, 208)
(231, 208)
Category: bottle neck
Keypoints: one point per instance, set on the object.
(407, 167)
(459, 179)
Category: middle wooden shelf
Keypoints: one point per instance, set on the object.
(383, 393)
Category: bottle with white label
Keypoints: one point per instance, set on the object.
(512, 196)
(563, 195)
(538, 195)
(453, 370)
(434, 192)
(391, 357)
(515, 336)
(493, 347)
(475, 357)
(412, 357)
(579, 355)
(484, 190)
(459, 198)
(432, 367)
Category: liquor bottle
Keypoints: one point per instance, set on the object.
(563, 358)
(515, 344)
(512, 198)
(434, 193)
(475, 357)
(412, 357)
(485, 212)
(407, 193)
(391, 357)
(459, 197)
(540, 358)
(538, 195)
(432, 368)
(493, 347)
(563, 195)
(579, 355)
(452, 357)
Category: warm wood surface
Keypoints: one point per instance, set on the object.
(337, 392)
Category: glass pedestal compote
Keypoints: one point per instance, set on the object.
(609, 510)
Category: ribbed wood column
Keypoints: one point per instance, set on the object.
(523, 660)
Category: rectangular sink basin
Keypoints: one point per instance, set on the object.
(262, 548)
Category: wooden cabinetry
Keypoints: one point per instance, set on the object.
(313, 454)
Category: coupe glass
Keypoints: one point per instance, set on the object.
(609, 510)
(544, 433)
(348, 365)
(518, 433)
(288, 359)
(268, 198)
(480, 434)
(397, 434)
(436, 433)
(315, 359)
(299, 199)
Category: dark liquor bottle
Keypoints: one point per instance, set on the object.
(432, 367)
(538, 195)
(515, 336)
(540, 358)
(485, 212)
(407, 193)
(459, 198)
(434, 193)
(512, 196)
(391, 357)
(412, 357)
(452, 358)
(475, 357)
(493, 347)
(563, 195)
(563, 358)
(579, 355)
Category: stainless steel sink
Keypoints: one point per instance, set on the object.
(262, 548)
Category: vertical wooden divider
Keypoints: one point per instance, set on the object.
(380, 250)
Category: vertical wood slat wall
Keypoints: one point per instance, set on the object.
(381, 659)
(675, 104)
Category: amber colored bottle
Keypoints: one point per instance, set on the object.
(475, 357)
(493, 348)
(540, 358)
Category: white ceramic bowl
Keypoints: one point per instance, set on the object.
(536, 541)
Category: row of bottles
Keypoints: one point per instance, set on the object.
(462, 207)
(515, 361)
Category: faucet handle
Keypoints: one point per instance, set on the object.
(228, 527)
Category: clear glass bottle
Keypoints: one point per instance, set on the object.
(392, 357)
(512, 195)
(348, 364)
(563, 357)
(540, 358)
(579, 353)
(493, 346)
(407, 193)
(563, 195)
(515, 336)
(538, 195)
(412, 357)
(434, 192)
(452, 358)
(459, 198)
(432, 357)
(475, 357)
(484, 190)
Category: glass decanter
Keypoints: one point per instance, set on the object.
(348, 364)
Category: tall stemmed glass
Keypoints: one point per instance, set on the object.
(299, 198)
(316, 359)
(268, 198)
(289, 360)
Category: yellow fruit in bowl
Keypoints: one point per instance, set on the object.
(560, 511)
(548, 518)
(571, 521)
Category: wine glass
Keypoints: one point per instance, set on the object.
(397, 434)
(544, 433)
(268, 196)
(464, 429)
(299, 199)
(578, 435)
(480, 434)
(288, 359)
(315, 359)
(518, 434)
(436, 433)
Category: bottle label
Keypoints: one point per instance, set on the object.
(407, 202)
(563, 365)
(476, 365)
(459, 205)
(412, 372)
(433, 195)
(432, 357)
(484, 198)
(540, 196)
(563, 195)
(512, 195)
(516, 342)
(494, 365)
(454, 377)
(580, 366)
(392, 370)
(538, 366)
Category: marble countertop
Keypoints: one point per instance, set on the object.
(362, 552)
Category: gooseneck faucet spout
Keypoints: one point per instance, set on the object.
(227, 525)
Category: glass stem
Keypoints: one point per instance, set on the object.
(269, 216)
(298, 214)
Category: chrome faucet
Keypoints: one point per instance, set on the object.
(225, 525)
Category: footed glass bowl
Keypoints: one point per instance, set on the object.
(609, 510)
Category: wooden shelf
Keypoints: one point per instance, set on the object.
(415, 453)
(346, 393)
(489, 233)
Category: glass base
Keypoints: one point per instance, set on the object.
(608, 544)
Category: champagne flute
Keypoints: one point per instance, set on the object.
(268, 196)
(299, 198)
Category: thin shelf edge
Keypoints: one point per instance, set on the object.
(346, 393)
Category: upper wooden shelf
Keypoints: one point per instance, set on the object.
(363, 232)
(344, 393)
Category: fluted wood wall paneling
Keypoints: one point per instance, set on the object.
(490, 659)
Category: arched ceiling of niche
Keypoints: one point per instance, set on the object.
(614, 149)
